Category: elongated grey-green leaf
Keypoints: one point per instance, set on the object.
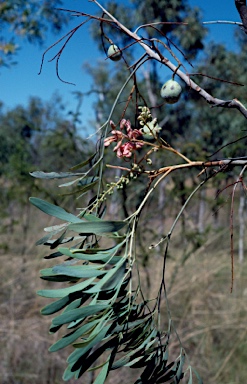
(98, 227)
(53, 175)
(80, 271)
(78, 313)
(54, 210)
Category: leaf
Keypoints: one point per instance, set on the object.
(55, 307)
(44, 239)
(91, 217)
(100, 379)
(59, 278)
(69, 183)
(53, 255)
(65, 301)
(94, 251)
(73, 336)
(93, 254)
(78, 313)
(55, 228)
(65, 291)
(83, 163)
(105, 257)
(98, 227)
(82, 190)
(58, 241)
(139, 334)
(68, 374)
(191, 378)
(179, 374)
(112, 278)
(53, 210)
(88, 180)
(75, 357)
(53, 175)
(79, 271)
(169, 375)
(124, 360)
(197, 376)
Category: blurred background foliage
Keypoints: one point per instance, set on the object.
(42, 136)
(30, 20)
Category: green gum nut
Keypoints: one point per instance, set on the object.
(171, 91)
(114, 53)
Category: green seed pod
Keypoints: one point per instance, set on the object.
(171, 91)
(114, 53)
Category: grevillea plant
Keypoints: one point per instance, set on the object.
(102, 308)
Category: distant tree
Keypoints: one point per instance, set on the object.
(27, 19)
(39, 136)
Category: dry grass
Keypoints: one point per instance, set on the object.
(211, 322)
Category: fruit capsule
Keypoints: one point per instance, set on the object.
(114, 53)
(171, 91)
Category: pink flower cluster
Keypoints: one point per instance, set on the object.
(126, 142)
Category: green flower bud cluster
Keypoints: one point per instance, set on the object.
(109, 190)
(135, 171)
(145, 115)
(116, 185)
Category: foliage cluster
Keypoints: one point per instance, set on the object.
(147, 155)
(104, 305)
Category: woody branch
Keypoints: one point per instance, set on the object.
(215, 102)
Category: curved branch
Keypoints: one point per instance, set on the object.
(215, 102)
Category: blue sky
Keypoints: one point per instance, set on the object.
(19, 82)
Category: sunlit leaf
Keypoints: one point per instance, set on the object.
(54, 210)
(65, 291)
(80, 271)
